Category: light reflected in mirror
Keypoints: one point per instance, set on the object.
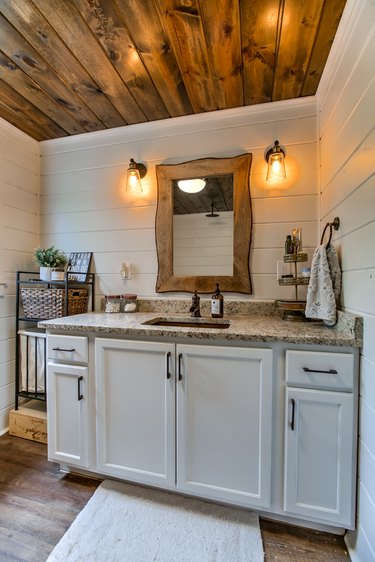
(235, 170)
(203, 228)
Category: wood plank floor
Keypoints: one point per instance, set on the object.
(38, 503)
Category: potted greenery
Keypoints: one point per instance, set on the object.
(49, 259)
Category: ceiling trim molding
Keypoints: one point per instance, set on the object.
(197, 123)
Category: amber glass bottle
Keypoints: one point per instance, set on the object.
(217, 303)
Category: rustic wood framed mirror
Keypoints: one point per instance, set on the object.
(237, 278)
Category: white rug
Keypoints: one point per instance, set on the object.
(126, 523)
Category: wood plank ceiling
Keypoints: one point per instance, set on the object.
(74, 66)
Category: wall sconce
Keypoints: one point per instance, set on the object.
(193, 185)
(276, 166)
(136, 172)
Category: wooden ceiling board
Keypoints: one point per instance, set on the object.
(183, 22)
(39, 71)
(68, 23)
(329, 21)
(300, 20)
(221, 24)
(260, 28)
(30, 23)
(31, 91)
(148, 34)
(15, 109)
(77, 66)
(107, 25)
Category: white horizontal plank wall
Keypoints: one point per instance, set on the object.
(19, 185)
(84, 206)
(347, 130)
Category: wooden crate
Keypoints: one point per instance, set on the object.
(29, 421)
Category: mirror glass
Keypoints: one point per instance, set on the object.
(203, 227)
(196, 251)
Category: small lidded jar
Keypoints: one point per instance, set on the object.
(129, 303)
(112, 303)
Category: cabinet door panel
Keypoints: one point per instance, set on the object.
(319, 455)
(67, 395)
(224, 409)
(135, 408)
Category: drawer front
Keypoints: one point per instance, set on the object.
(67, 349)
(316, 369)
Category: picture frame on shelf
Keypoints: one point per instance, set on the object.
(79, 266)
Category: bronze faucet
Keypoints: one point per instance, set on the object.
(195, 306)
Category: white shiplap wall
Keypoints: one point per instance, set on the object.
(84, 206)
(347, 130)
(19, 185)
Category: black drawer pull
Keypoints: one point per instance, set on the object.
(293, 411)
(168, 365)
(79, 380)
(179, 367)
(63, 349)
(329, 372)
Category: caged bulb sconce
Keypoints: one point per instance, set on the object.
(275, 157)
(135, 173)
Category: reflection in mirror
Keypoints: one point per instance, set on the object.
(203, 228)
(172, 207)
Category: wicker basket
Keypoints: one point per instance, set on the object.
(50, 303)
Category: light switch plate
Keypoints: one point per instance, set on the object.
(283, 269)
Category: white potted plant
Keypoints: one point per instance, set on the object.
(52, 263)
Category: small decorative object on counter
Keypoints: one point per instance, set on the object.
(289, 249)
(217, 303)
(112, 303)
(130, 303)
(305, 272)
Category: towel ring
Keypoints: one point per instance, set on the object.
(332, 225)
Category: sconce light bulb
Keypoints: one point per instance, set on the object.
(135, 172)
(276, 165)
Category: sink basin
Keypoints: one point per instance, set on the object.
(200, 323)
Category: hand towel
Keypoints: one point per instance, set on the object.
(324, 286)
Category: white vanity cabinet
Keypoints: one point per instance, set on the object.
(320, 437)
(215, 403)
(67, 400)
(269, 426)
(224, 423)
(135, 389)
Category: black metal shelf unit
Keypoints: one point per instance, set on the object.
(31, 375)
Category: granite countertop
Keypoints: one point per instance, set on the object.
(261, 324)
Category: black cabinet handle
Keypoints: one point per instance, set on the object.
(168, 365)
(329, 372)
(179, 367)
(293, 412)
(63, 349)
(79, 380)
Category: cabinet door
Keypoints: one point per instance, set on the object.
(67, 406)
(319, 455)
(224, 412)
(135, 410)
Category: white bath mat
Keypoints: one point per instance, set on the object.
(126, 523)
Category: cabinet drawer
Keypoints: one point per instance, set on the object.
(67, 349)
(316, 369)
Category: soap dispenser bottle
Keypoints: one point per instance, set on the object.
(217, 303)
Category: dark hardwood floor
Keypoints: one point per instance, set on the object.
(38, 503)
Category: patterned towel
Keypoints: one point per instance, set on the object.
(324, 286)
